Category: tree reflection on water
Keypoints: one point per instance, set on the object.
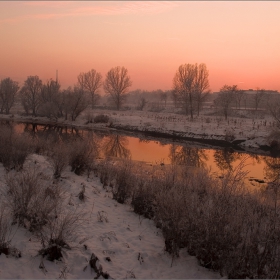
(272, 169)
(54, 132)
(225, 158)
(190, 156)
(116, 146)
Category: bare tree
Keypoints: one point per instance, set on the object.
(258, 97)
(50, 90)
(175, 98)
(201, 85)
(74, 102)
(31, 94)
(142, 103)
(116, 85)
(225, 98)
(183, 85)
(163, 97)
(239, 96)
(91, 81)
(191, 86)
(273, 106)
(50, 97)
(8, 90)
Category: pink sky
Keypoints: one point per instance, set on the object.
(238, 41)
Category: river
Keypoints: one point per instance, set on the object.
(261, 168)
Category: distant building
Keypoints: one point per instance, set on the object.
(267, 91)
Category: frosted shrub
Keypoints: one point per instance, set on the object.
(89, 117)
(101, 118)
(30, 200)
(143, 197)
(14, 149)
(122, 189)
(119, 177)
(82, 154)
(105, 171)
(170, 219)
(258, 257)
(60, 231)
(59, 158)
(5, 230)
(219, 221)
(41, 146)
(6, 234)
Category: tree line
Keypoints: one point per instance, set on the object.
(189, 91)
(48, 99)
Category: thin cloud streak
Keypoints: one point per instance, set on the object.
(117, 9)
(48, 4)
(137, 7)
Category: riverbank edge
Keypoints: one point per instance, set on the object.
(204, 139)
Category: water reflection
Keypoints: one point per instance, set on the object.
(225, 158)
(116, 146)
(52, 132)
(190, 156)
(272, 169)
(143, 140)
(154, 151)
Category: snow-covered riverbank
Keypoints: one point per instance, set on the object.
(127, 246)
(244, 132)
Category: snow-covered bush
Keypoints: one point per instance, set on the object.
(6, 234)
(155, 107)
(59, 158)
(122, 190)
(101, 118)
(30, 199)
(105, 172)
(82, 154)
(14, 149)
(227, 228)
(102, 216)
(119, 177)
(89, 117)
(60, 231)
(143, 197)
(5, 230)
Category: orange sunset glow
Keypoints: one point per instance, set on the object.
(238, 41)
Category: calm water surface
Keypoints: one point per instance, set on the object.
(160, 152)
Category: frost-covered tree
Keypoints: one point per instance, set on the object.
(91, 81)
(31, 94)
(8, 91)
(191, 86)
(183, 85)
(51, 100)
(226, 98)
(239, 96)
(75, 102)
(201, 85)
(258, 98)
(117, 84)
(273, 106)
